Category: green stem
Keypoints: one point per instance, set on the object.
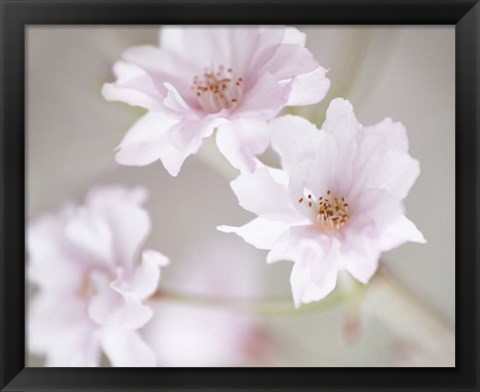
(272, 307)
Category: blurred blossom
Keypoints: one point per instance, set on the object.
(336, 204)
(196, 335)
(91, 289)
(210, 331)
(201, 79)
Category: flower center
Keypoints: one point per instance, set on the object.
(331, 211)
(218, 90)
(92, 281)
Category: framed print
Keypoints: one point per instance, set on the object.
(240, 195)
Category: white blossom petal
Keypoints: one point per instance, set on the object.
(290, 60)
(128, 223)
(362, 266)
(134, 86)
(294, 139)
(89, 232)
(309, 88)
(294, 36)
(49, 258)
(142, 144)
(291, 244)
(314, 277)
(175, 101)
(147, 274)
(341, 121)
(264, 100)
(149, 140)
(125, 348)
(261, 233)
(400, 231)
(259, 193)
(240, 141)
(230, 47)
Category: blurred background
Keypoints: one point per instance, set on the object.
(405, 317)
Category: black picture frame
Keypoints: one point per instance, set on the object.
(17, 15)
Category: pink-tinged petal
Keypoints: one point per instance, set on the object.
(90, 233)
(360, 248)
(149, 140)
(147, 274)
(342, 124)
(382, 167)
(397, 174)
(187, 135)
(291, 244)
(152, 257)
(136, 93)
(128, 223)
(161, 62)
(309, 88)
(324, 167)
(362, 265)
(125, 71)
(378, 225)
(202, 46)
(97, 195)
(174, 101)
(260, 194)
(134, 87)
(230, 47)
(241, 140)
(263, 100)
(130, 313)
(297, 189)
(341, 121)
(400, 231)
(289, 61)
(142, 144)
(173, 158)
(373, 210)
(74, 347)
(261, 233)
(125, 348)
(51, 255)
(393, 135)
(269, 38)
(165, 66)
(293, 138)
(61, 333)
(104, 300)
(314, 277)
(294, 36)
(314, 176)
(215, 338)
(46, 318)
(278, 175)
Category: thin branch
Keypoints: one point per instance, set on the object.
(271, 307)
(396, 307)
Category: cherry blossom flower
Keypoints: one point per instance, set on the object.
(232, 79)
(336, 204)
(196, 334)
(91, 292)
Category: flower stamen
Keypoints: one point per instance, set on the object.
(331, 212)
(218, 90)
